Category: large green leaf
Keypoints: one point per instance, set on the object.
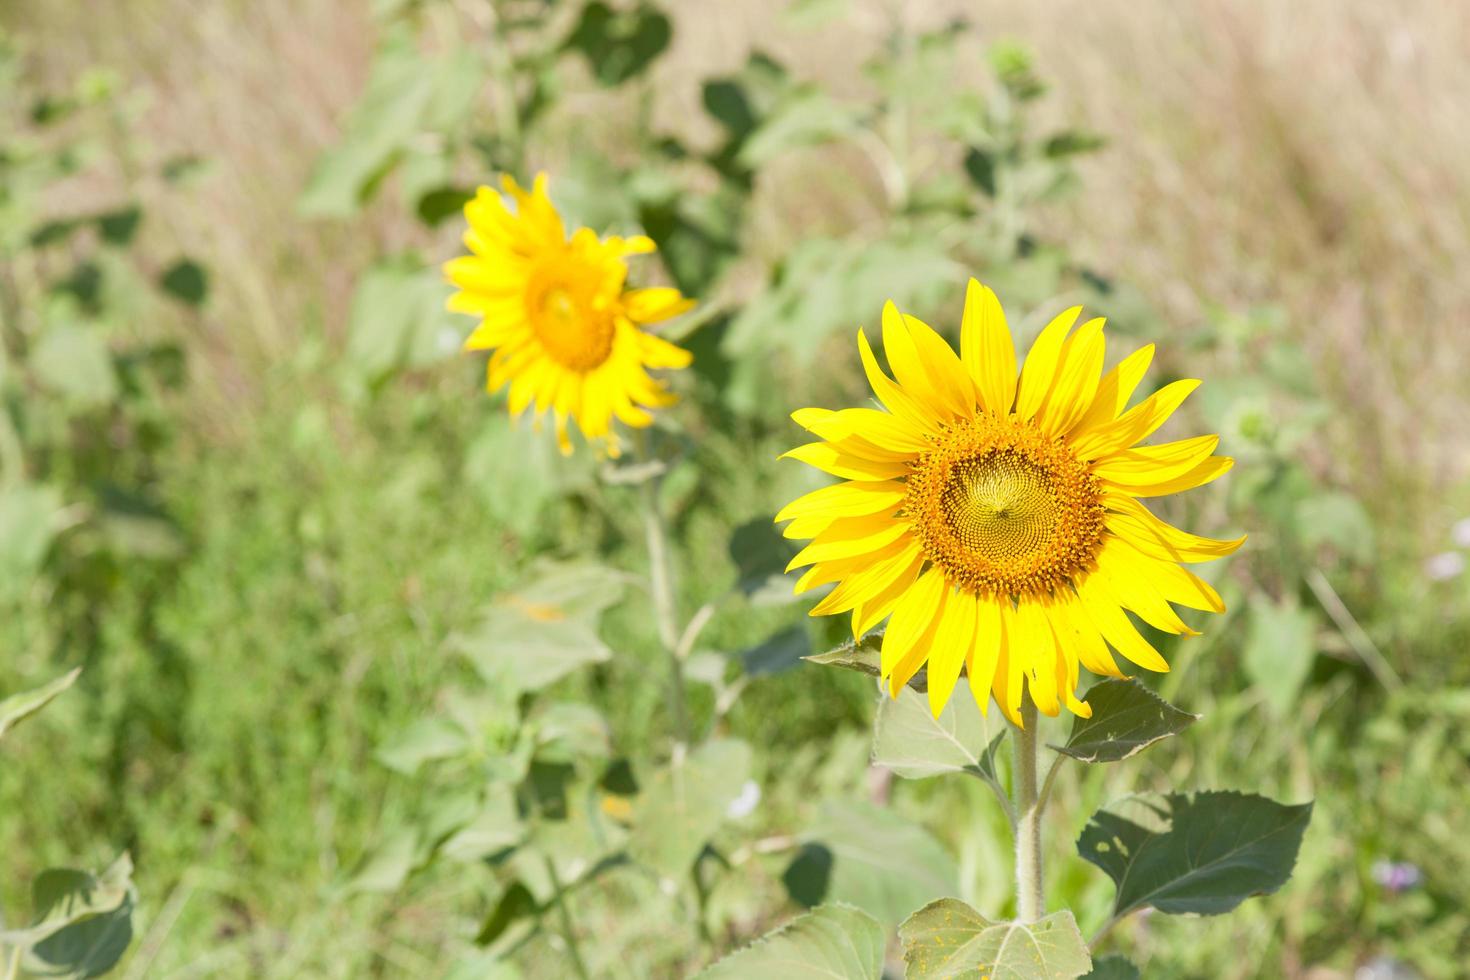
(620, 44)
(683, 805)
(1204, 853)
(406, 93)
(18, 707)
(398, 319)
(542, 632)
(1126, 719)
(948, 940)
(1113, 967)
(828, 942)
(913, 743)
(878, 860)
(1279, 650)
(83, 922)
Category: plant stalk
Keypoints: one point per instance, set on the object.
(1030, 902)
(559, 899)
(661, 584)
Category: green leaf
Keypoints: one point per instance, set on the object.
(385, 868)
(683, 805)
(862, 655)
(118, 227)
(827, 942)
(760, 555)
(186, 281)
(83, 922)
(1071, 142)
(18, 707)
(1204, 853)
(441, 203)
(1126, 719)
(1279, 649)
(948, 940)
(515, 903)
(74, 362)
(1113, 967)
(536, 636)
(808, 119)
(913, 743)
(426, 740)
(494, 829)
(1338, 520)
(777, 652)
(406, 93)
(879, 860)
(27, 528)
(398, 319)
(980, 168)
(619, 44)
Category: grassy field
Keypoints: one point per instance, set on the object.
(1279, 201)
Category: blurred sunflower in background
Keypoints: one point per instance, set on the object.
(566, 333)
(997, 519)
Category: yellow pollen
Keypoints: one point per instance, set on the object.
(1003, 510)
(574, 328)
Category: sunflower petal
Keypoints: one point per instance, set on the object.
(1040, 368)
(988, 352)
(953, 641)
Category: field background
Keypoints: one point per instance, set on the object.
(1282, 187)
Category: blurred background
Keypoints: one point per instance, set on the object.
(252, 487)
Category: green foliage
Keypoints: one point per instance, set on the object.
(82, 922)
(876, 860)
(343, 757)
(909, 740)
(682, 806)
(947, 938)
(1126, 719)
(831, 941)
(18, 707)
(1204, 853)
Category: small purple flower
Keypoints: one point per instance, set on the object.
(1396, 876)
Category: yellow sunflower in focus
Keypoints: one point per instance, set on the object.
(997, 519)
(566, 332)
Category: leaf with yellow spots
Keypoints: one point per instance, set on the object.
(948, 940)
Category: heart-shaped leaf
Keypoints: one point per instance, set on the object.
(1126, 719)
(913, 743)
(1204, 853)
(948, 940)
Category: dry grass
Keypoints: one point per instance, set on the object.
(1307, 155)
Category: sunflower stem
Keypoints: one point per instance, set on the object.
(661, 585)
(1030, 901)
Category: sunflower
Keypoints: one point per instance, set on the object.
(995, 520)
(566, 332)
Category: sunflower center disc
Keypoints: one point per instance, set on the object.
(1003, 510)
(575, 330)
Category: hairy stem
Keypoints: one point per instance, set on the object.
(1030, 902)
(661, 584)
